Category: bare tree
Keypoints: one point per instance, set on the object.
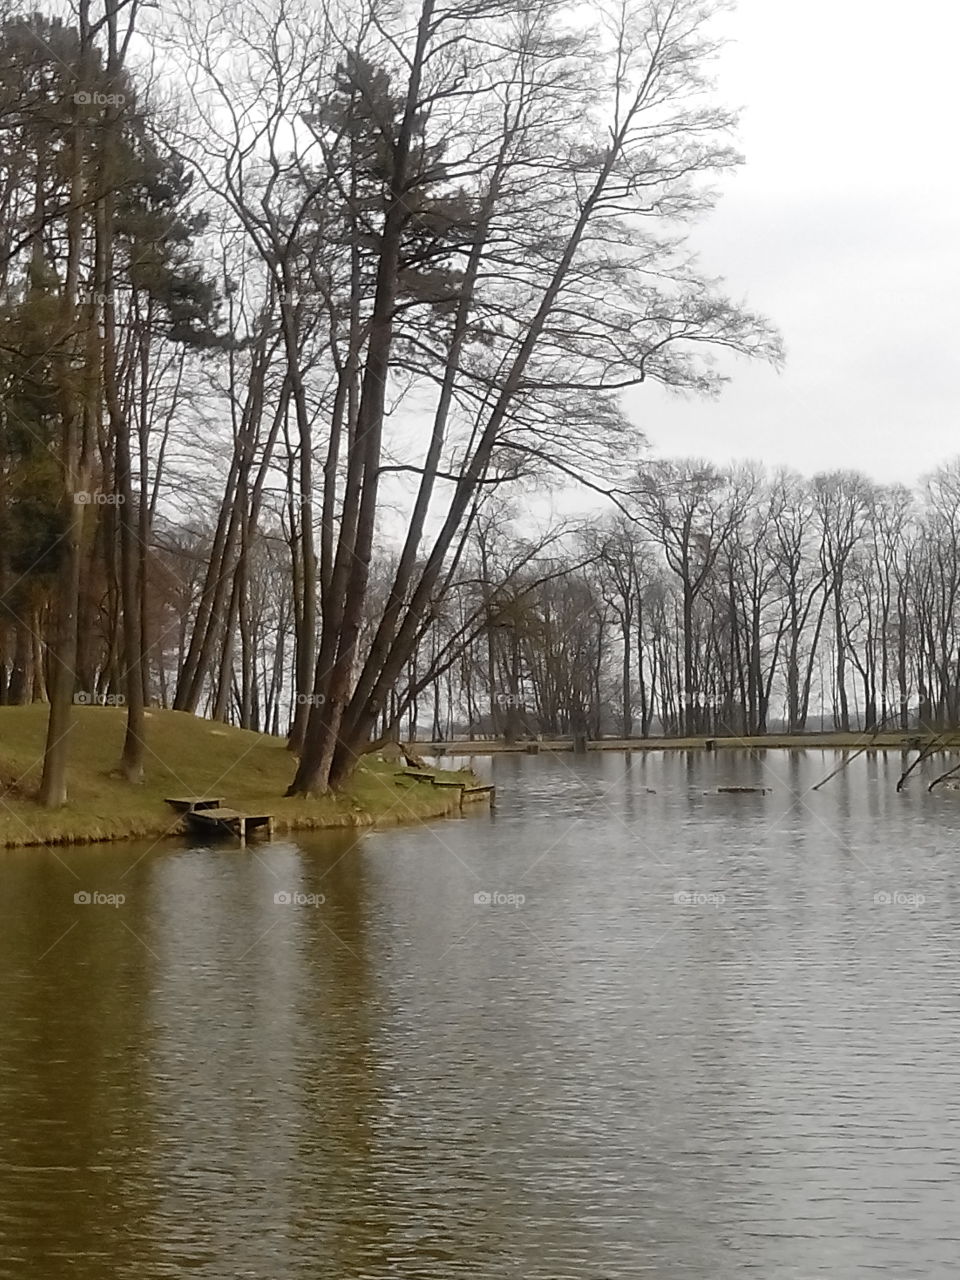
(524, 341)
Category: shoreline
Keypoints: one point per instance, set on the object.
(887, 741)
(355, 819)
(189, 756)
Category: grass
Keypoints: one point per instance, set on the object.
(185, 756)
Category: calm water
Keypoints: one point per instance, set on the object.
(718, 1037)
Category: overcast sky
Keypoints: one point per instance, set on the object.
(843, 228)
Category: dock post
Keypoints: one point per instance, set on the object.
(243, 833)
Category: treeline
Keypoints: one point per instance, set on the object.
(292, 296)
(715, 601)
(707, 601)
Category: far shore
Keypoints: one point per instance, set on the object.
(887, 741)
(249, 771)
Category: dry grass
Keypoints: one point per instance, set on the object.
(185, 756)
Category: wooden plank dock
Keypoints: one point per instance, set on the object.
(185, 804)
(480, 793)
(207, 815)
(222, 821)
(467, 792)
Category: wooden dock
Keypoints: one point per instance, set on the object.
(480, 793)
(222, 821)
(208, 816)
(186, 804)
(467, 792)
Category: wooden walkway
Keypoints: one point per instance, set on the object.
(480, 793)
(468, 793)
(207, 815)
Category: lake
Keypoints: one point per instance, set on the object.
(621, 1026)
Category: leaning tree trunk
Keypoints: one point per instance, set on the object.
(78, 414)
(132, 677)
(348, 591)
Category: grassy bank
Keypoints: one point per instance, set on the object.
(895, 741)
(186, 756)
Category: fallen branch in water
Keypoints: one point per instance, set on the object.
(866, 747)
(943, 777)
(925, 754)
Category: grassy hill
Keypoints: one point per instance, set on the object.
(185, 756)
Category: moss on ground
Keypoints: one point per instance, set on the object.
(185, 756)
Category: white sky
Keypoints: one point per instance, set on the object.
(842, 227)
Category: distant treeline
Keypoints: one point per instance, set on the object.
(718, 601)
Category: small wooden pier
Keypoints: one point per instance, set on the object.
(186, 804)
(207, 815)
(479, 793)
(467, 793)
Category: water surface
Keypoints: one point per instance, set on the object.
(680, 1034)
